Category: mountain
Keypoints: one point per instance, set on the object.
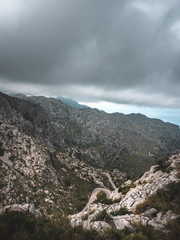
(111, 140)
(33, 172)
(71, 103)
(56, 160)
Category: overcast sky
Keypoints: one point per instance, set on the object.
(102, 52)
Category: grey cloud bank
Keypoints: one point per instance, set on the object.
(124, 51)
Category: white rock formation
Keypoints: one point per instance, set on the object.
(148, 184)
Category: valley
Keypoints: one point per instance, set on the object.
(87, 165)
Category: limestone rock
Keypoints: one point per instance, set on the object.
(21, 208)
(153, 180)
(151, 213)
(100, 226)
(121, 222)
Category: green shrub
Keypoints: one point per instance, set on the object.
(117, 200)
(120, 189)
(102, 216)
(1, 162)
(12, 158)
(162, 164)
(160, 161)
(67, 183)
(174, 227)
(137, 236)
(168, 169)
(113, 234)
(121, 211)
(25, 226)
(126, 188)
(102, 198)
(178, 175)
(1, 151)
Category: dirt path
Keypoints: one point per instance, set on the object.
(111, 182)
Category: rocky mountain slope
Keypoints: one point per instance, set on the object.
(153, 201)
(47, 155)
(110, 140)
(35, 174)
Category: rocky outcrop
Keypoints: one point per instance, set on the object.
(146, 186)
(158, 222)
(150, 182)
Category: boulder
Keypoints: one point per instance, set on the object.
(151, 213)
(121, 223)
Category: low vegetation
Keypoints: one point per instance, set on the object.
(121, 211)
(102, 216)
(163, 200)
(79, 189)
(163, 164)
(25, 226)
(102, 198)
(143, 232)
(1, 151)
(126, 188)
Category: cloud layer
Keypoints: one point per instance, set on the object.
(124, 51)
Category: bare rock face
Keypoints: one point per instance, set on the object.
(151, 213)
(153, 180)
(122, 222)
(147, 185)
(98, 225)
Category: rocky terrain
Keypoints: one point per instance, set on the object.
(34, 173)
(124, 213)
(56, 160)
(110, 140)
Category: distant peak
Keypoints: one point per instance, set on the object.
(70, 102)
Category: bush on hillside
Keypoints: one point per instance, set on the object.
(126, 188)
(163, 200)
(121, 211)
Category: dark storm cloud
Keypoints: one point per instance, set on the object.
(116, 47)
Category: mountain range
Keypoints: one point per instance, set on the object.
(108, 140)
(58, 160)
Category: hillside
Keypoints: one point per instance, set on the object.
(150, 205)
(56, 161)
(111, 140)
(148, 208)
(33, 172)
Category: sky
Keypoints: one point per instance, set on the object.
(118, 56)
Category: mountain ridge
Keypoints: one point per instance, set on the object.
(54, 158)
(70, 102)
(111, 140)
